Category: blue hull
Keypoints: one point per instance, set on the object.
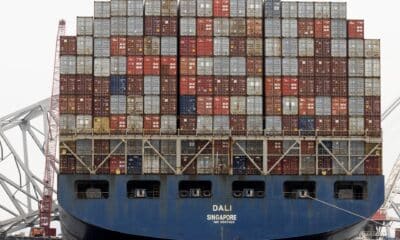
(170, 217)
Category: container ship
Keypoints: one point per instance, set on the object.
(219, 119)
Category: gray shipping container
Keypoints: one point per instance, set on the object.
(151, 85)
(254, 8)
(84, 65)
(340, 147)
(372, 48)
(84, 26)
(205, 66)
(354, 162)
(135, 26)
(83, 123)
(168, 124)
(187, 8)
(306, 47)
(151, 164)
(68, 65)
(152, 8)
(169, 8)
(289, 47)
(238, 105)
(289, 28)
(152, 104)
(307, 165)
(273, 47)
(254, 47)
(168, 147)
(204, 8)
(221, 66)
(357, 148)
(272, 27)
(339, 10)
(356, 67)
(134, 146)
(339, 48)
(273, 66)
(289, 143)
(356, 87)
(254, 105)
(254, 86)
(169, 46)
(204, 124)
(101, 67)
(356, 125)
(272, 9)
(289, 10)
(135, 8)
(117, 104)
(221, 124)
(237, 8)
(238, 66)
(205, 164)
(118, 65)
(118, 146)
(119, 26)
(273, 124)
(356, 106)
(337, 169)
(338, 28)
(84, 147)
(290, 105)
(188, 26)
(305, 9)
(356, 48)
(221, 27)
(322, 10)
(102, 27)
(135, 124)
(67, 122)
(134, 105)
(323, 106)
(372, 87)
(119, 7)
(254, 124)
(84, 45)
(221, 46)
(372, 67)
(290, 66)
(102, 47)
(102, 9)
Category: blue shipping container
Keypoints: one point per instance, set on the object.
(321, 149)
(134, 164)
(307, 123)
(239, 165)
(118, 85)
(187, 105)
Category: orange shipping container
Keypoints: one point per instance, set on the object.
(221, 8)
(135, 65)
(188, 66)
(273, 86)
(151, 124)
(307, 106)
(204, 27)
(118, 46)
(221, 105)
(151, 65)
(355, 29)
(322, 28)
(205, 46)
(168, 66)
(254, 27)
(204, 105)
(290, 86)
(187, 85)
(339, 106)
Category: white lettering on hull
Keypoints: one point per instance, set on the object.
(222, 214)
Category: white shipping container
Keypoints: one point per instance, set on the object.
(169, 46)
(289, 28)
(339, 48)
(151, 85)
(221, 27)
(135, 26)
(237, 8)
(135, 123)
(337, 169)
(221, 46)
(273, 66)
(273, 124)
(289, 47)
(101, 67)
(254, 105)
(84, 26)
(356, 161)
(238, 105)
(356, 125)
(338, 28)
(204, 164)
(272, 27)
(339, 10)
(187, 8)
(102, 27)
(290, 66)
(254, 124)
(152, 8)
(135, 8)
(372, 67)
(305, 9)
(221, 66)
(372, 87)
(306, 47)
(119, 26)
(238, 66)
(117, 104)
(356, 67)
(83, 123)
(205, 66)
(204, 8)
(168, 124)
(102, 9)
(188, 26)
(254, 8)
(290, 105)
(67, 122)
(204, 124)
(254, 86)
(119, 8)
(151, 104)
(84, 65)
(84, 45)
(273, 47)
(323, 106)
(68, 65)
(356, 106)
(151, 164)
(356, 48)
(118, 65)
(356, 87)
(134, 105)
(221, 124)
(372, 48)
(102, 47)
(289, 10)
(322, 10)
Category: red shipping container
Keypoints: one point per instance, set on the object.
(221, 146)
(205, 46)
(275, 147)
(221, 105)
(204, 27)
(152, 26)
(340, 125)
(355, 29)
(372, 106)
(67, 84)
(308, 147)
(117, 165)
(322, 86)
(204, 105)
(221, 86)
(339, 67)
(273, 86)
(168, 66)
(373, 126)
(290, 125)
(221, 8)
(187, 124)
(84, 84)
(323, 125)
(307, 106)
(187, 46)
(273, 105)
(290, 86)
(84, 104)
(169, 26)
(151, 124)
(187, 85)
(373, 165)
(168, 104)
(238, 125)
(275, 166)
(135, 46)
(188, 66)
(306, 67)
(204, 85)
(305, 28)
(339, 106)
(67, 45)
(67, 104)
(118, 123)
(168, 85)
(238, 86)
(67, 164)
(324, 166)
(237, 46)
(101, 106)
(135, 65)
(101, 147)
(322, 47)
(118, 46)
(101, 86)
(105, 167)
(254, 27)
(339, 86)
(134, 85)
(254, 66)
(290, 165)
(322, 28)
(151, 65)
(306, 86)
(322, 67)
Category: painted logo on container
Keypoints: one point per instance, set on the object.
(222, 214)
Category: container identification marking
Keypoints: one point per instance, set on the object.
(222, 214)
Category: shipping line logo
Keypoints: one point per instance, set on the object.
(222, 214)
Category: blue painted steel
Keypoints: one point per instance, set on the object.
(187, 105)
(171, 217)
(134, 164)
(306, 123)
(118, 85)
